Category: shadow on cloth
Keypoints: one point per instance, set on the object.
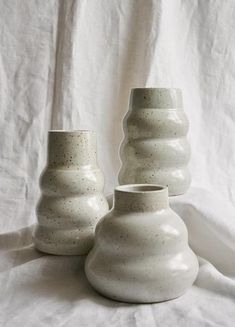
(63, 278)
(210, 221)
(46, 276)
(16, 239)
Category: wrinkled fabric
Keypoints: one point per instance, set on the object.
(71, 65)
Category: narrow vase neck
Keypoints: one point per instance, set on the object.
(156, 98)
(141, 197)
(71, 148)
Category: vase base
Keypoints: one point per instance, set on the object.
(63, 242)
(68, 251)
(138, 301)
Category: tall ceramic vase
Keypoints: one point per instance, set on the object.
(155, 148)
(72, 201)
(141, 251)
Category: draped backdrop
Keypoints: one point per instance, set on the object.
(71, 65)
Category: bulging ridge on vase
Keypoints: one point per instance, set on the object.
(141, 252)
(72, 199)
(155, 148)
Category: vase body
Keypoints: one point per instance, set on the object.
(72, 201)
(155, 149)
(141, 251)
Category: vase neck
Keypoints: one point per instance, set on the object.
(156, 98)
(71, 148)
(141, 197)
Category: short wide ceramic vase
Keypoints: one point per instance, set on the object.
(141, 252)
(72, 201)
(155, 149)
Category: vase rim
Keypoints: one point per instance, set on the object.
(158, 98)
(141, 197)
(140, 188)
(71, 131)
(156, 88)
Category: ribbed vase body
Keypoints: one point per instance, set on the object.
(141, 251)
(72, 201)
(155, 148)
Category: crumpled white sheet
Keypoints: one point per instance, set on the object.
(71, 64)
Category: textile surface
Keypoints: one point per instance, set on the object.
(70, 65)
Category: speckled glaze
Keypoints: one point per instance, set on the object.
(141, 251)
(72, 201)
(155, 149)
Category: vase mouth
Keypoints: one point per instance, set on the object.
(140, 188)
(141, 197)
(71, 131)
(156, 98)
(68, 148)
(156, 89)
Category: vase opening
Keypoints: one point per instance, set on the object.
(141, 197)
(70, 148)
(71, 131)
(156, 98)
(163, 89)
(140, 188)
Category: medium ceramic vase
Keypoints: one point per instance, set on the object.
(155, 149)
(141, 252)
(72, 201)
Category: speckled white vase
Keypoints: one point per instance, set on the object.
(72, 201)
(141, 251)
(155, 149)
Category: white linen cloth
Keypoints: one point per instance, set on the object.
(70, 65)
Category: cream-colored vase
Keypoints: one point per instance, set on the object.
(72, 201)
(141, 251)
(155, 149)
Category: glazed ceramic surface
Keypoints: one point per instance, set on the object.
(155, 149)
(72, 201)
(141, 251)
